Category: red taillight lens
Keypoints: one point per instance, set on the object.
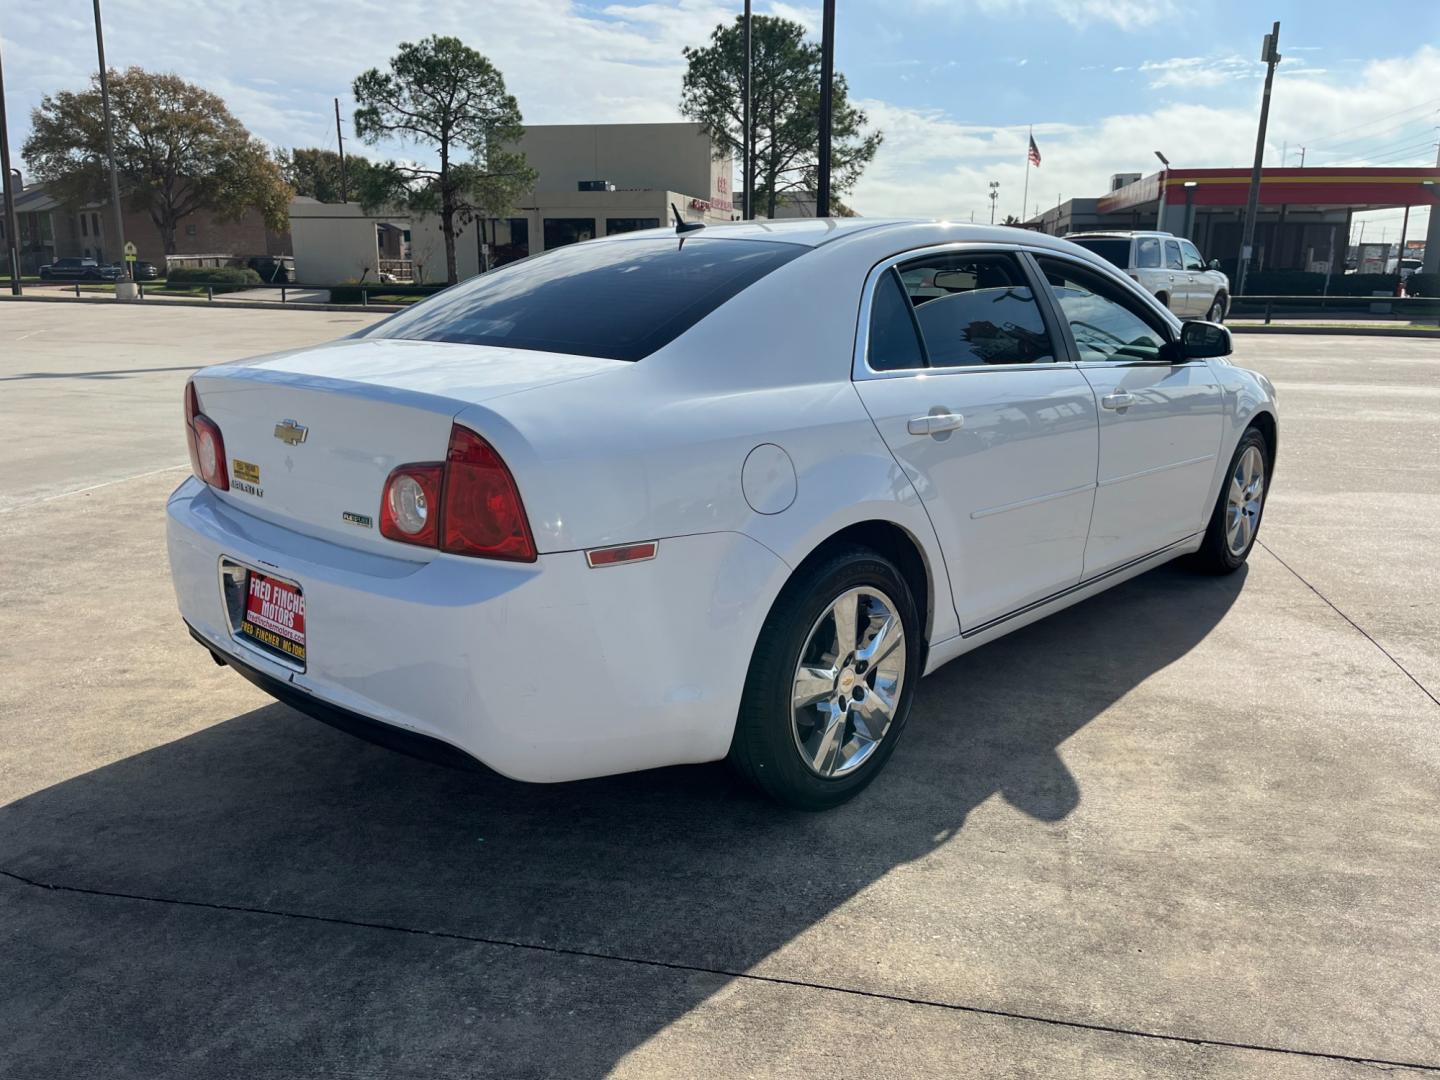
(483, 515)
(410, 506)
(467, 505)
(207, 447)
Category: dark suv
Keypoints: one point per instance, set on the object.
(77, 270)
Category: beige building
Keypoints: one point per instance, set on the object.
(593, 180)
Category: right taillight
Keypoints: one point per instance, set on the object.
(207, 446)
(467, 505)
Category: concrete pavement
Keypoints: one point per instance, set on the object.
(1184, 829)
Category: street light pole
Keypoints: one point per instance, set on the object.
(745, 147)
(827, 81)
(12, 227)
(120, 293)
(1270, 53)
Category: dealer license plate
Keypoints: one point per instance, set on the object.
(274, 616)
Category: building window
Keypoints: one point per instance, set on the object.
(617, 225)
(84, 225)
(562, 231)
(189, 230)
(95, 223)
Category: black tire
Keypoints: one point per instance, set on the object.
(1215, 555)
(1216, 314)
(764, 749)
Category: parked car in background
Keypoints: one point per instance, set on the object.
(627, 504)
(77, 270)
(1171, 268)
(139, 270)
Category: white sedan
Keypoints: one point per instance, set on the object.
(666, 498)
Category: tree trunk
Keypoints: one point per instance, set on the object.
(165, 225)
(447, 226)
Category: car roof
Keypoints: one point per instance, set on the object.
(815, 232)
(1121, 233)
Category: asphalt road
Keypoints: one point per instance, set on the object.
(1188, 828)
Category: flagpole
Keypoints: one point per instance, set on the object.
(1025, 198)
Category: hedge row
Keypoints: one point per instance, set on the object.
(1304, 283)
(1426, 285)
(351, 292)
(224, 278)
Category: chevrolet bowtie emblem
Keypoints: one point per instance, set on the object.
(291, 433)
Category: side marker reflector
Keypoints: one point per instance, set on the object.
(613, 556)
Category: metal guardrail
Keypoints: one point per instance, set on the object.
(366, 290)
(1367, 308)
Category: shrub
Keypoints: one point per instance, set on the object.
(1363, 284)
(1427, 285)
(349, 292)
(1285, 283)
(224, 278)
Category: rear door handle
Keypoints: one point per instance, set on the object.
(935, 423)
(1120, 400)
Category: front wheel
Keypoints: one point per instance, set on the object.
(1235, 520)
(830, 682)
(1217, 309)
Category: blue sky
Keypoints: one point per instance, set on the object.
(952, 83)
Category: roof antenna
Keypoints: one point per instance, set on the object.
(683, 226)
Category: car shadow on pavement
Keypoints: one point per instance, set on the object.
(274, 813)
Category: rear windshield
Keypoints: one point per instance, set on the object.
(620, 300)
(1112, 251)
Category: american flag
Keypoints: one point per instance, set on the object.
(1034, 153)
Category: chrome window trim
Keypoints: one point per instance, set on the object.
(860, 369)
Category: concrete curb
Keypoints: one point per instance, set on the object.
(208, 305)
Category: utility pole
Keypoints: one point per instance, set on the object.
(124, 288)
(745, 148)
(994, 194)
(12, 227)
(1302, 157)
(827, 88)
(1270, 53)
(340, 142)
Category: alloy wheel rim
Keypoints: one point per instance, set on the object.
(848, 682)
(1244, 501)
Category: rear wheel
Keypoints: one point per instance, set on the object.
(1235, 520)
(830, 682)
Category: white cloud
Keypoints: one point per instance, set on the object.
(934, 165)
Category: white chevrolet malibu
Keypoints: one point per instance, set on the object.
(679, 496)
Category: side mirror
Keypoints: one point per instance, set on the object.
(1202, 340)
(1214, 264)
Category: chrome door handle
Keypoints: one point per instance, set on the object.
(1120, 400)
(934, 424)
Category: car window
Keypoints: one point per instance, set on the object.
(1172, 256)
(975, 309)
(1102, 321)
(620, 299)
(1112, 251)
(1191, 255)
(1147, 253)
(894, 341)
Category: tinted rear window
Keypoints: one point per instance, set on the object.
(1112, 251)
(621, 300)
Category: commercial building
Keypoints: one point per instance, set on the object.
(592, 180)
(1303, 220)
(49, 231)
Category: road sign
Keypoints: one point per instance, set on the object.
(129, 252)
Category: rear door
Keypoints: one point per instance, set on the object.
(1160, 422)
(1181, 302)
(965, 376)
(1202, 284)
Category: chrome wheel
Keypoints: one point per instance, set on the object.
(1217, 311)
(848, 682)
(1247, 495)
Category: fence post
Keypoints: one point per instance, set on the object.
(77, 290)
(1268, 303)
(364, 297)
(210, 293)
(282, 294)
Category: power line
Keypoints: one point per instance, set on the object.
(1334, 149)
(1318, 139)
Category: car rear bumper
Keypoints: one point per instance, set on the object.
(546, 671)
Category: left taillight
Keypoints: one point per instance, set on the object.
(466, 505)
(207, 446)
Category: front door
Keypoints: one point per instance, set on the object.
(960, 369)
(1160, 422)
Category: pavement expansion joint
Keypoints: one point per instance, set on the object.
(774, 980)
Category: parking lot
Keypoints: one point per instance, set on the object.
(1186, 829)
